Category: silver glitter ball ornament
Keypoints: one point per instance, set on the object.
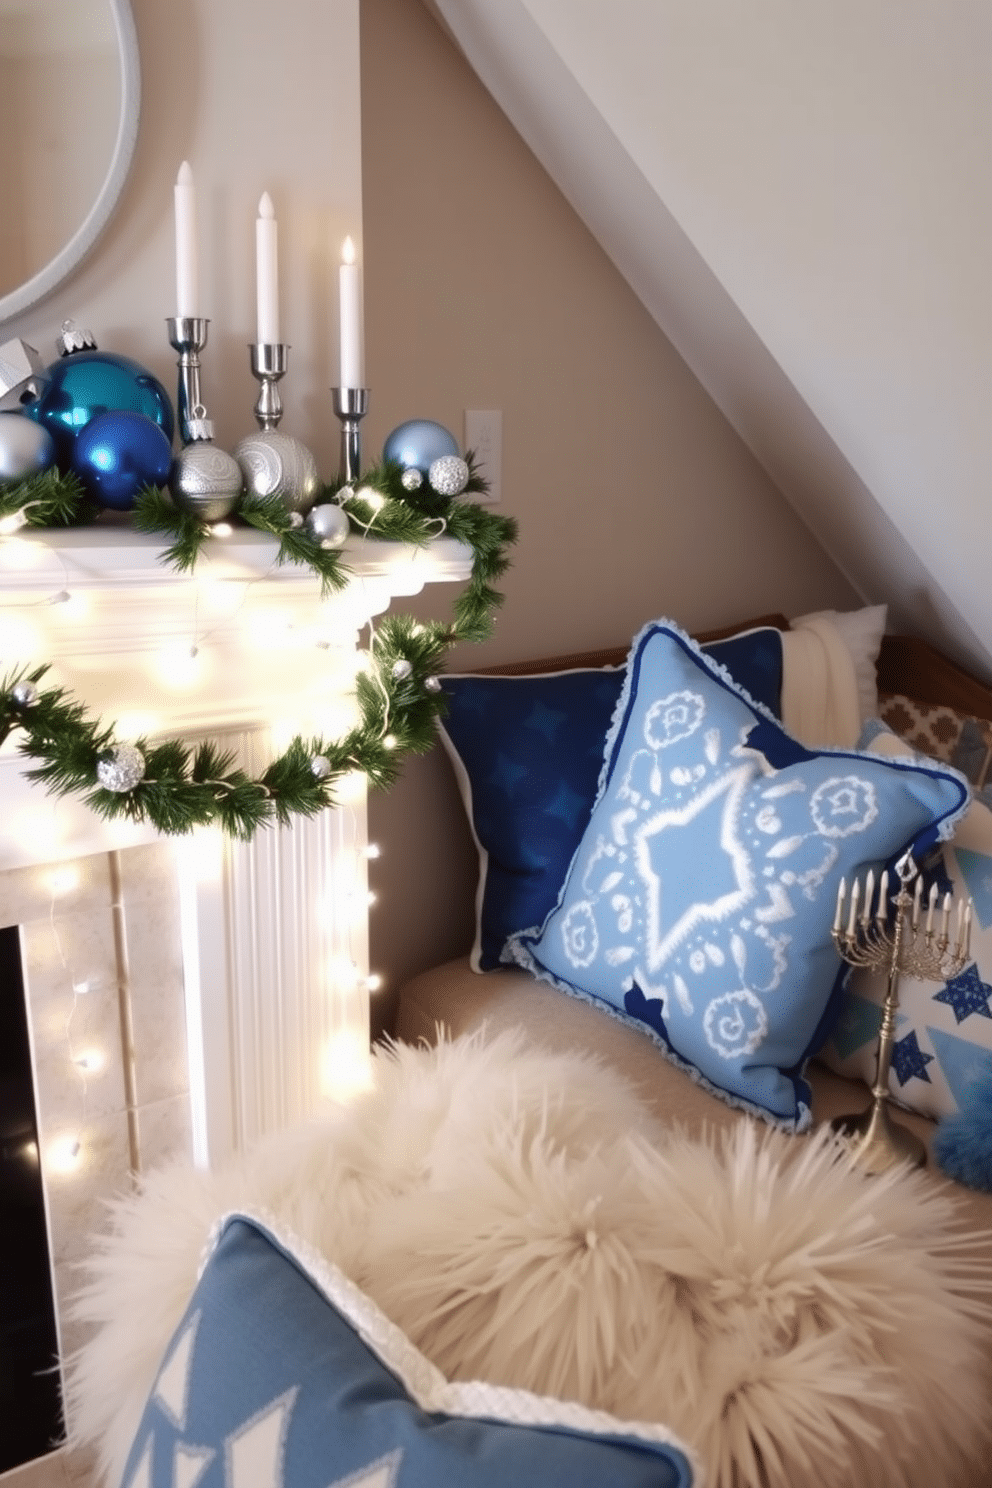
(432, 684)
(26, 448)
(449, 475)
(277, 464)
(320, 766)
(206, 481)
(328, 524)
(120, 768)
(24, 694)
(401, 669)
(411, 480)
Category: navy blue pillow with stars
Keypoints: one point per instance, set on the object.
(528, 751)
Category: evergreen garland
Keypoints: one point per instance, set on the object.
(399, 697)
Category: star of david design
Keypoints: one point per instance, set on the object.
(254, 1453)
(383, 1473)
(966, 994)
(672, 912)
(172, 1386)
(545, 720)
(909, 1060)
(566, 805)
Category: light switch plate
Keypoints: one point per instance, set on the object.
(484, 435)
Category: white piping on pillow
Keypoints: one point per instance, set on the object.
(820, 704)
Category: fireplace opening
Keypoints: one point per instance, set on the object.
(30, 1388)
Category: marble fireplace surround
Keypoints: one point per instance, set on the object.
(186, 995)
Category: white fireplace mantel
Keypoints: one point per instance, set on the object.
(275, 940)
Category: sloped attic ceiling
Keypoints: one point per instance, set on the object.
(802, 198)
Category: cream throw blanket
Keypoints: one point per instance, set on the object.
(819, 685)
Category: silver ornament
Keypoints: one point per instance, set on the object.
(277, 464)
(432, 684)
(320, 766)
(26, 448)
(449, 475)
(206, 480)
(328, 524)
(296, 519)
(411, 479)
(120, 768)
(401, 669)
(24, 694)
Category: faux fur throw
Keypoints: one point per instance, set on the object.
(523, 1219)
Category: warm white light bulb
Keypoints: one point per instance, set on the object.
(373, 850)
(13, 523)
(65, 1154)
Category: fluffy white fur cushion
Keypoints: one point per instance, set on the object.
(523, 1219)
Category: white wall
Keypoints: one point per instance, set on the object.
(815, 182)
(258, 99)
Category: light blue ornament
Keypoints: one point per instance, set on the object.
(86, 384)
(118, 453)
(418, 443)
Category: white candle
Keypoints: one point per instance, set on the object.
(838, 912)
(352, 374)
(187, 267)
(869, 892)
(917, 895)
(267, 273)
(883, 899)
(853, 918)
(931, 906)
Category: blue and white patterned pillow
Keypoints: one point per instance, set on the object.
(282, 1374)
(527, 752)
(701, 897)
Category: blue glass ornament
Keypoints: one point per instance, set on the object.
(118, 453)
(89, 383)
(418, 443)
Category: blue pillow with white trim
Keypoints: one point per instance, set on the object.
(282, 1374)
(700, 900)
(527, 752)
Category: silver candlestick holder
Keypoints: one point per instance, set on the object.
(905, 937)
(351, 405)
(187, 336)
(269, 360)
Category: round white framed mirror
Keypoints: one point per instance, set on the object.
(71, 79)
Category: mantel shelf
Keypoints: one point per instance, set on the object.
(111, 556)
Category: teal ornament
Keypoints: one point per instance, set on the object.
(119, 453)
(417, 444)
(86, 384)
(26, 449)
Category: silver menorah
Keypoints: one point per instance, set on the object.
(904, 937)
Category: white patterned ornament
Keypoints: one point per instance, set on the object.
(449, 475)
(411, 479)
(320, 766)
(277, 464)
(120, 768)
(206, 480)
(401, 669)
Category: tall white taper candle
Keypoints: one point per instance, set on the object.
(352, 372)
(267, 273)
(187, 263)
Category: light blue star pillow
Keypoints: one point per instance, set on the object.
(943, 1043)
(700, 900)
(282, 1374)
(527, 752)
